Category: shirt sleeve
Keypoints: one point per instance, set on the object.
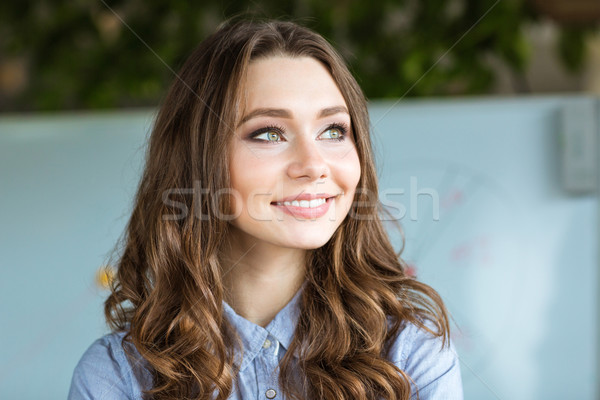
(103, 372)
(434, 369)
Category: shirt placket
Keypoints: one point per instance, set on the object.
(268, 372)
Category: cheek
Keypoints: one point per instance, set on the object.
(350, 170)
(251, 183)
(236, 189)
(349, 173)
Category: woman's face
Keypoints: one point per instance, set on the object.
(293, 162)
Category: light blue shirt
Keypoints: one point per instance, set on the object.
(105, 373)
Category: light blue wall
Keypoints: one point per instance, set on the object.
(513, 254)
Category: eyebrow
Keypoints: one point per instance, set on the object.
(284, 113)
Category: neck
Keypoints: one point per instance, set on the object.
(260, 278)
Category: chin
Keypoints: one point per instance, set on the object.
(307, 243)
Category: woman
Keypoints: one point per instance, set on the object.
(254, 263)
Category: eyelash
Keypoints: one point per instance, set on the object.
(341, 127)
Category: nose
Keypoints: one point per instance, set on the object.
(307, 162)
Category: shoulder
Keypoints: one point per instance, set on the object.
(105, 371)
(432, 365)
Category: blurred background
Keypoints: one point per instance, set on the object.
(485, 116)
(57, 55)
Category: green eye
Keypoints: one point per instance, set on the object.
(272, 136)
(269, 134)
(333, 133)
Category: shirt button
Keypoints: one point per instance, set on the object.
(271, 393)
(266, 345)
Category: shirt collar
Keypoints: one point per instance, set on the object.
(282, 328)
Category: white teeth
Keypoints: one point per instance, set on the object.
(303, 203)
(316, 202)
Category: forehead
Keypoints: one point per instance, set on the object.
(289, 82)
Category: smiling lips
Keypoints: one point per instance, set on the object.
(307, 206)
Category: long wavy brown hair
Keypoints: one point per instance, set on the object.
(168, 290)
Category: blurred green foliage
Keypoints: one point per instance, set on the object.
(75, 54)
